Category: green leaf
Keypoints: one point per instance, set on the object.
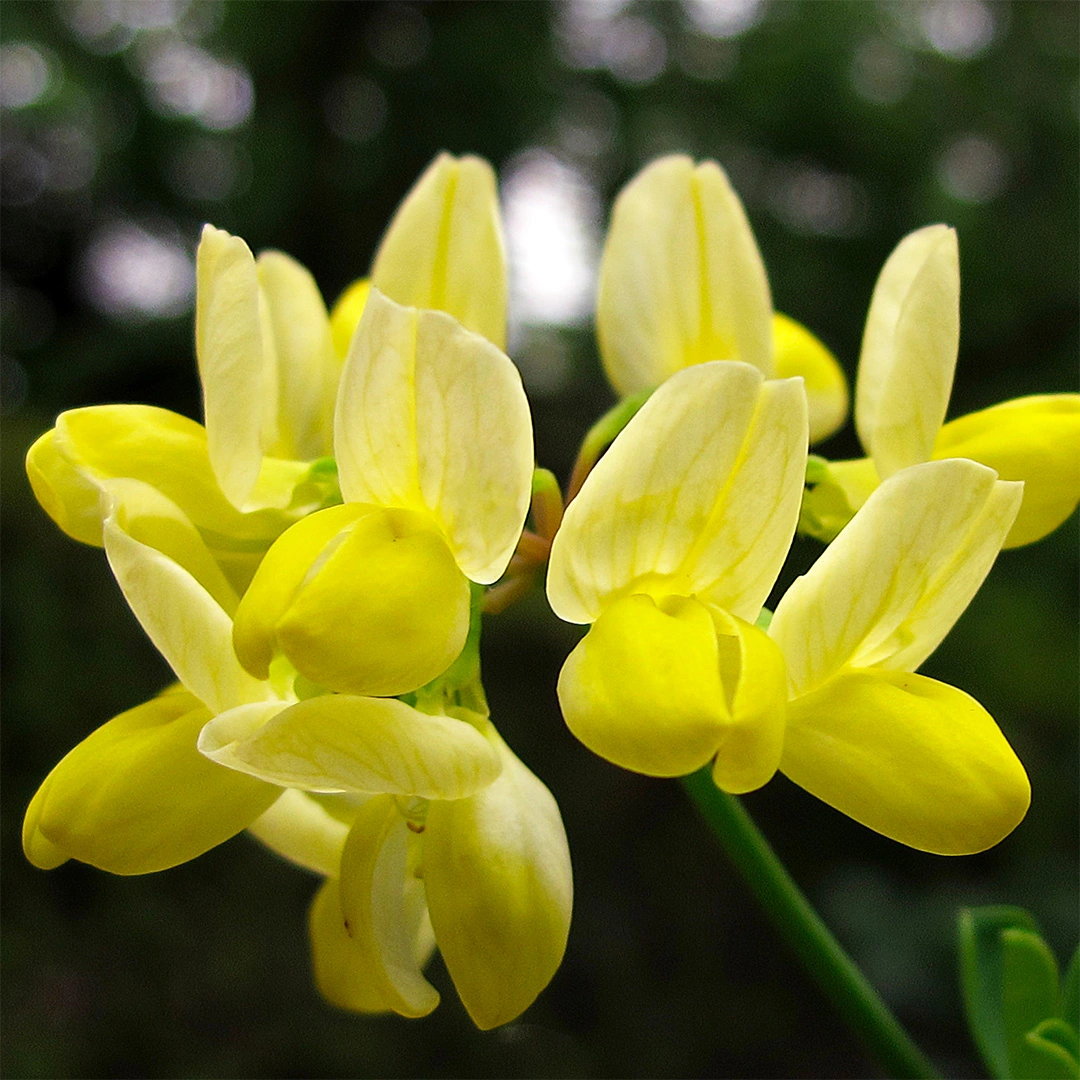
(1030, 995)
(981, 976)
(1070, 992)
(1052, 1051)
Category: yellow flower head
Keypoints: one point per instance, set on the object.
(905, 377)
(908, 756)
(682, 282)
(137, 795)
(669, 551)
(434, 449)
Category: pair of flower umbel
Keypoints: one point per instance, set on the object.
(314, 562)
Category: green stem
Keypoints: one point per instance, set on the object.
(833, 970)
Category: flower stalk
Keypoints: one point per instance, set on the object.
(792, 914)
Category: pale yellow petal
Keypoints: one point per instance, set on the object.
(190, 629)
(433, 418)
(500, 890)
(338, 742)
(797, 352)
(229, 348)
(1034, 439)
(136, 796)
(681, 278)
(890, 587)
(642, 688)
(703, 485)
(342, 967)
(912, 758)
(300, 828)
(156, 521)
(308, 367)
(444, 247)
(382, 904)
(909, 350)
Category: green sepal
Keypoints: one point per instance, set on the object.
(459, 686)
(319, 487)
(825, 507)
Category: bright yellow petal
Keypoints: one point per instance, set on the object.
(279, 576)
(346, 313)
(190, 629)
(1034, 439)
(912, 758)
(67, 493)
(300, 828)
(444, 247)
(909, 350)
(342, 743)
(237, 392)
(755, 680)
(383, 610)
(308, 366)
(797, 352)
(642, 688)
(161, 448)
(681, 278)
(342, 967)
(703, 485)
(433, 418)
(500, 890)
(136, 796)
(382, 904)
(892, 584)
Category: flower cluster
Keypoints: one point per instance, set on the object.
(314, 563)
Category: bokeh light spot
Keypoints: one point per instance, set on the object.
(552, 221)
(973, 169)
(960, 29)
(129, 272)
(25, 75)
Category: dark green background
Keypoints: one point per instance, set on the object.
(670, 970)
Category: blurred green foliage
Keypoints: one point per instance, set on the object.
(844, 125)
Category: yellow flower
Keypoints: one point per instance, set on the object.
(486, 877)
(444, 250)
(905, 377)
(434, 454)
(906, 755)
(269, 374)
(682, 282)
(669, 551)
(270, 361)
(137, 795)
